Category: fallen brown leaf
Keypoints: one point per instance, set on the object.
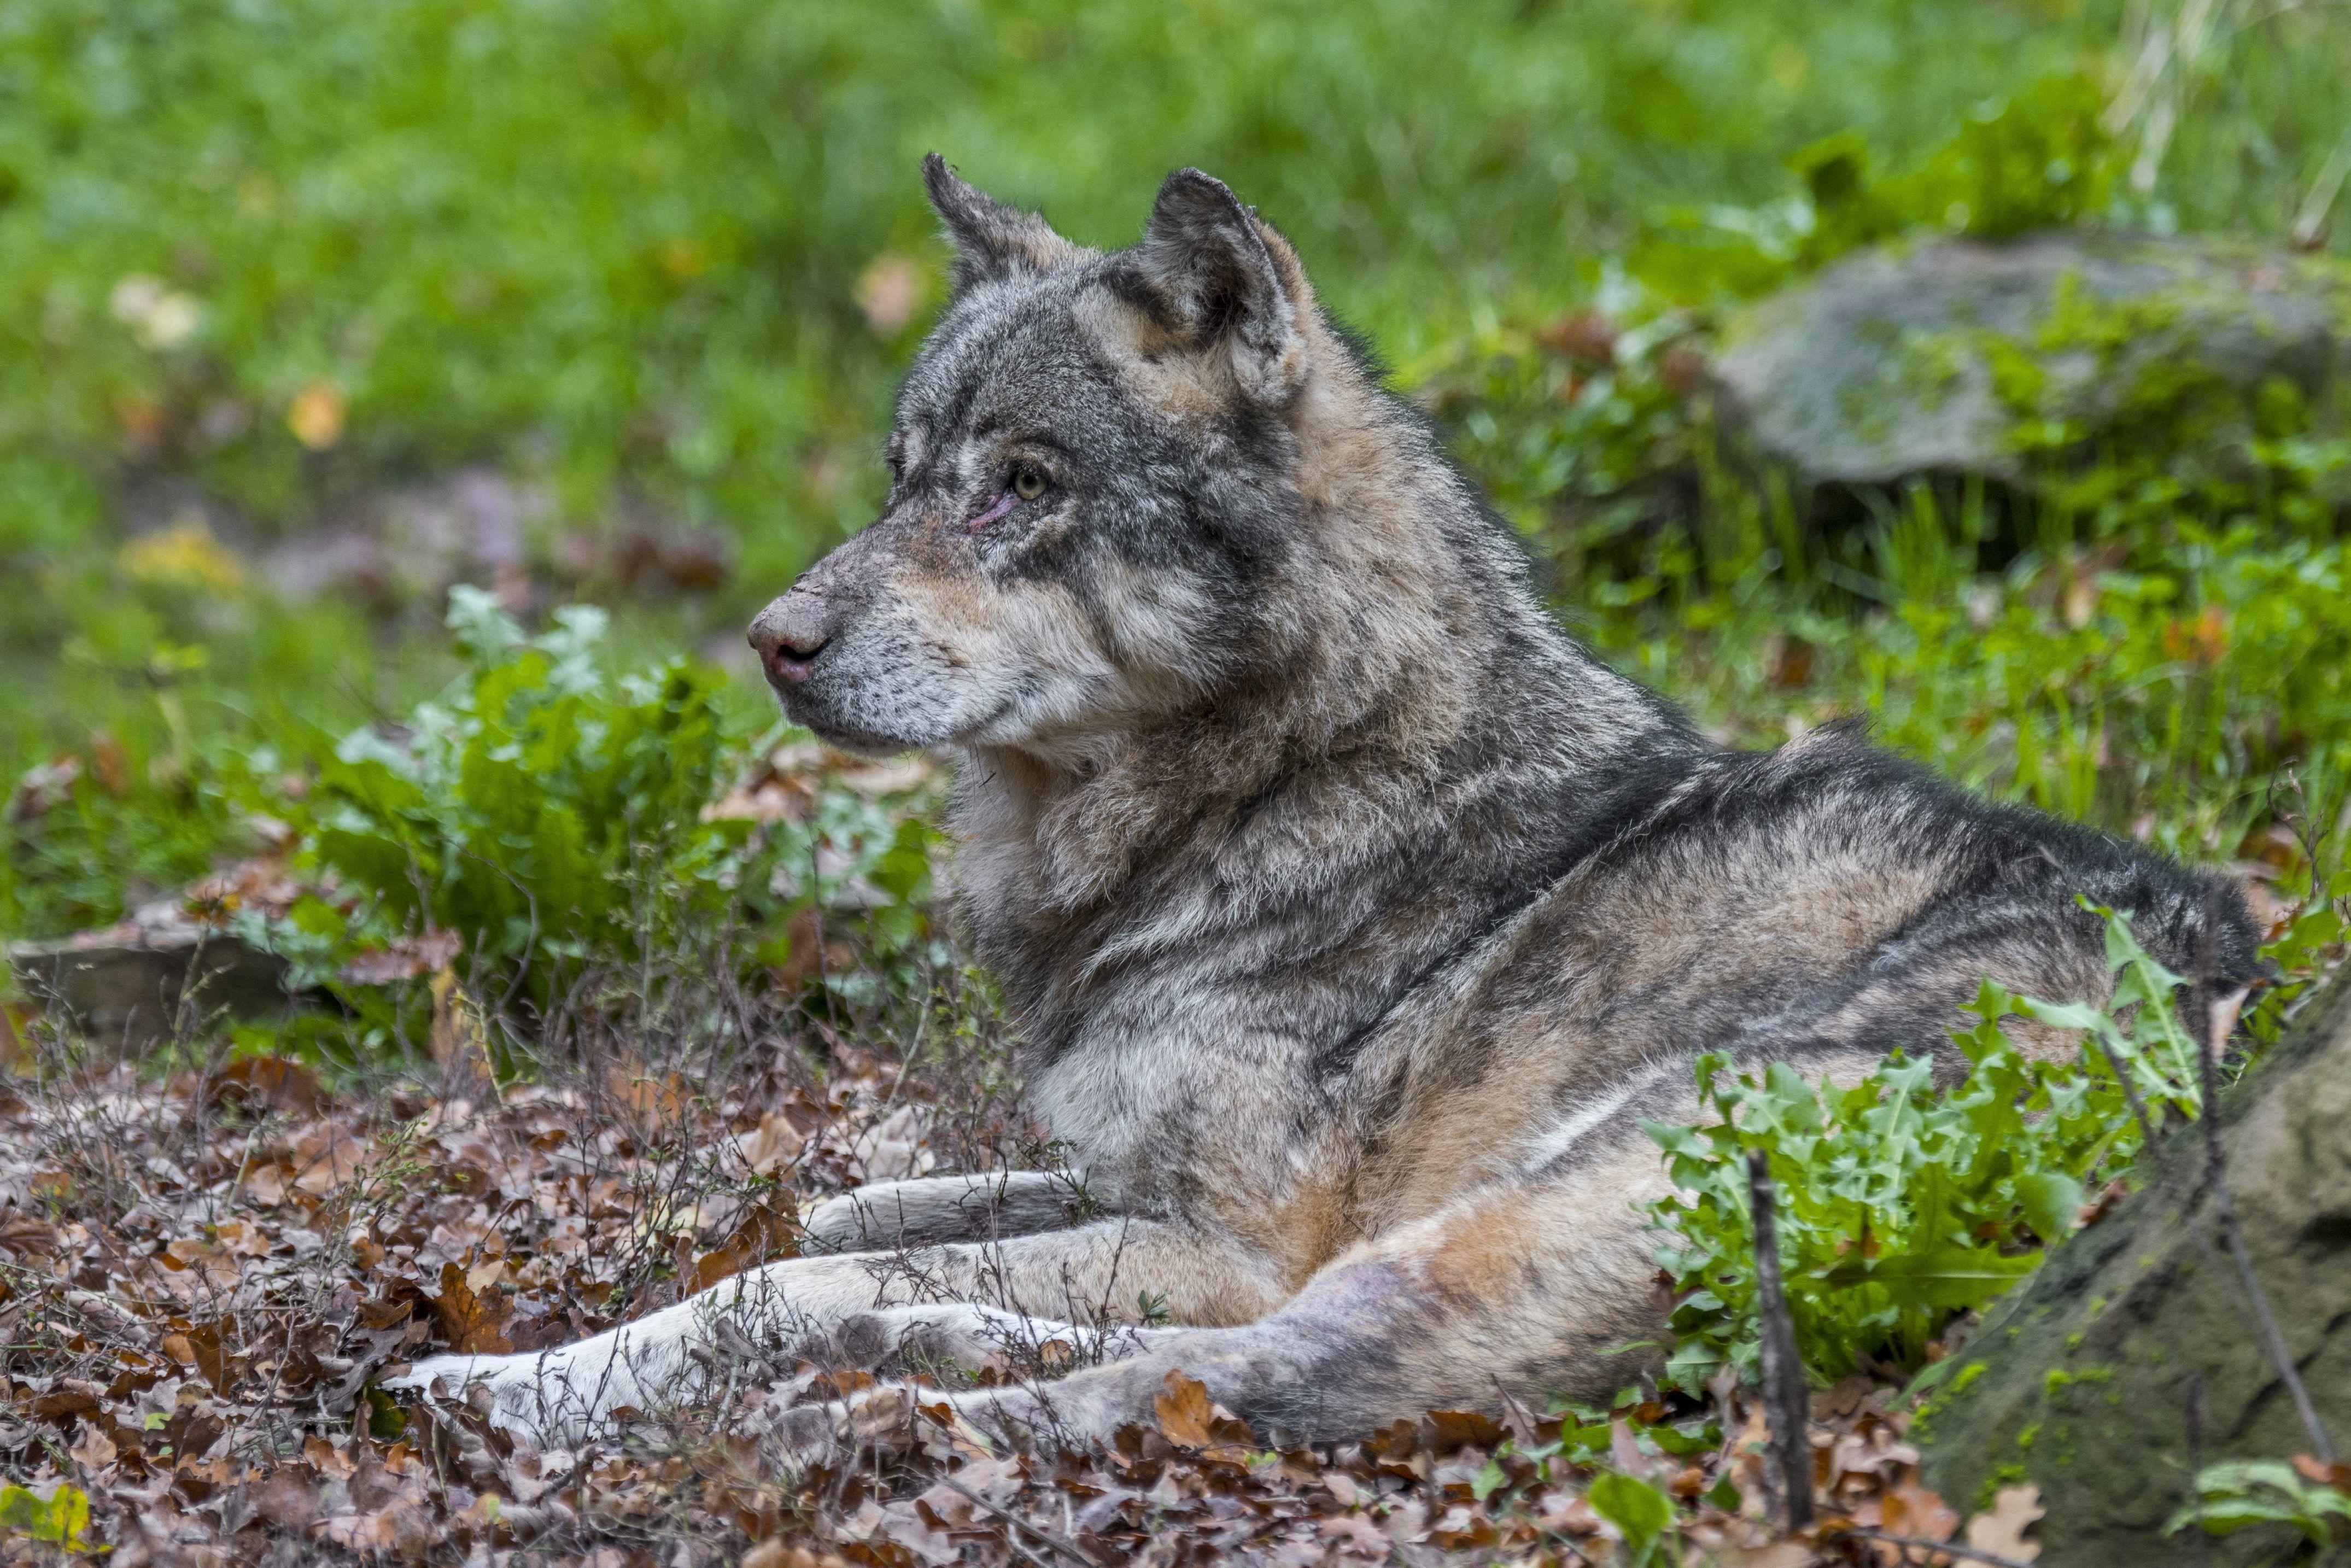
(1913, 1510)
(1189, 1419)
(271, 1083)
(473, 1323)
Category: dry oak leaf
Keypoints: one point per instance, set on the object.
(326, 1157)
(762, 1234)
(200, 1347)
(1449, 1429)
(2001, 1529)
(266, 1184)
(95, 1450)
(1191, 1420)
(772, 1144)
(475, 1322)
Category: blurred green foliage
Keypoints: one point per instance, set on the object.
(262, 258)
(551, 818)
(636, 243)
(2041, 159)
(545, 813)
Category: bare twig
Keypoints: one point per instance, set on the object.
(1920, 1543)
(2149, 1144)
(1068, 1549)
(1787, 1400)
(2196, 1461)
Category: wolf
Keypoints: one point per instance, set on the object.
(1354, 915)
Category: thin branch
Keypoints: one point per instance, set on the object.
(1070, 1550)
(2224, 1210)
(1787, 1399)
(2196, 1462)
(2148, 1144)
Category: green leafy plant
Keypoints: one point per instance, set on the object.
(2038, 158)
(1900, 1204)
(543, 810)
(2238, 1492)
(1644, 1513)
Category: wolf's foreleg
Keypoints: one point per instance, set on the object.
(1528, 1289)
(1110, 1270)
(967, 1337)
(929, 1211)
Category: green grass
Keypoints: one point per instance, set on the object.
(620, 243)
(631, 252)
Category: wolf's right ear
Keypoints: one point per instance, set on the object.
(991, 240)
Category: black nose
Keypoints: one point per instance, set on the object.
(790, 634)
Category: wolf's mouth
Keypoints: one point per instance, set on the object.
(847, 736)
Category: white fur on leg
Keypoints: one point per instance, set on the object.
(678, 1356)
(969, 1335)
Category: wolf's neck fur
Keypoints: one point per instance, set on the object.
(1415, 681)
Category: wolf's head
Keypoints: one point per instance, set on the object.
(1123, 487)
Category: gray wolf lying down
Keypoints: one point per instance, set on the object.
(1353, 915)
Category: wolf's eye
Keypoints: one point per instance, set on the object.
(1028, 482)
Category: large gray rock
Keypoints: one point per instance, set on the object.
(1949, 356)
(2082, 1379)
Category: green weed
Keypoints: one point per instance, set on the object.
(1902, 1205)
(2240, 1492)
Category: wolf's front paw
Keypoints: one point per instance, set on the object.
(529, 1395)
(882, 1420)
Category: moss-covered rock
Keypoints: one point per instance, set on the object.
(1972, 358)
(2081, 1380)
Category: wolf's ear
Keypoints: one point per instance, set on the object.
(991, 240)
(1216, 275)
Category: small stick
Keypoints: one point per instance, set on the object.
(1787, 1400)
(1069, 1549)
(2225, 1210)
(1919, 1543)
(2148, 1144)
(2196, 1461)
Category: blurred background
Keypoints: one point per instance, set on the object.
(310, 309)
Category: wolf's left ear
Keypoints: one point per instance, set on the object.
(1216, 275)
(991, 240)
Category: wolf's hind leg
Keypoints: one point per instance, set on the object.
(1528, 1289)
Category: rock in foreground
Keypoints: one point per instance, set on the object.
(2080, 1382)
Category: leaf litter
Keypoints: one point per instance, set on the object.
(205, 1278)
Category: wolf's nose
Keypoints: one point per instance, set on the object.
(790, 634)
